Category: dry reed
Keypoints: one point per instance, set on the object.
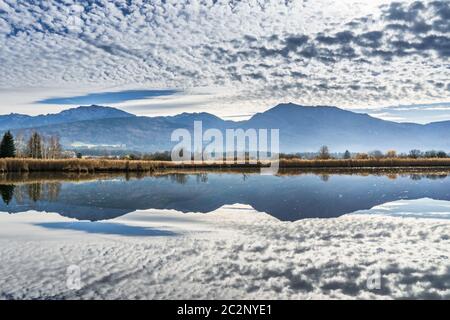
(103, 165)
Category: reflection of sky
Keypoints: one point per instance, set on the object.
(107, 228)
(297, 197)
(419, 208)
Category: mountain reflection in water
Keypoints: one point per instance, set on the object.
(289, 197)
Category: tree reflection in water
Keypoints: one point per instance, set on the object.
(7, 192)
(290, 196)
(36, 191)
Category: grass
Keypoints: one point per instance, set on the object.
(100, 165)
(76, 165)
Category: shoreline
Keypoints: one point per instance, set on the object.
(145, 166)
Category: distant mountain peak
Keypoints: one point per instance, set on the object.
(193, 114)
(196, 116)
(97, 109)
(83, 113)
(291, 105)
(301, 129)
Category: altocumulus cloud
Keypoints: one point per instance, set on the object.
(348, 54)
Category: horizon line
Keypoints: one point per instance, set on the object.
(232, 116)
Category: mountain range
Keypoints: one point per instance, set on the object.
(302, 129)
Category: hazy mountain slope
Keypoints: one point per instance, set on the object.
(301, 129)
(306, 128)
(137, 133)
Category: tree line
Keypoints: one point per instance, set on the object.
(36, 146)
(325, 154)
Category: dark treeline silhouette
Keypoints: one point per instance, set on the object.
(324, 154)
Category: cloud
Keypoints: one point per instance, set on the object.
(307, 52)
(419, 113)
(343, 37)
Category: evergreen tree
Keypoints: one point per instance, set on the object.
(441, 154)
(7, 193)
(7, 147)
(347, 154)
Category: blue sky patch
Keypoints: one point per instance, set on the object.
(108, 97)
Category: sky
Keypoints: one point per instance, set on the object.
(227, 57)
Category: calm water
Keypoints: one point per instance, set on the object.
(286, 197)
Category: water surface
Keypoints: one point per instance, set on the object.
(287, 197)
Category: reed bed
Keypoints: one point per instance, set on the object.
(77, 165)
(53, 177)
(103, 165)
(367, 163)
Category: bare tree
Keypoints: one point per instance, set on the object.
(376, 154)
(324, 153)
(391, 154)
(34, 147)
(54, 147)
(21, 145)
(44, 144)
(362, 156)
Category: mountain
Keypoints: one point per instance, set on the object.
(16, 121)
(311, 127)
(302, 129)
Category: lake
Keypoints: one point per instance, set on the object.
(288, 197)
(225, 235)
